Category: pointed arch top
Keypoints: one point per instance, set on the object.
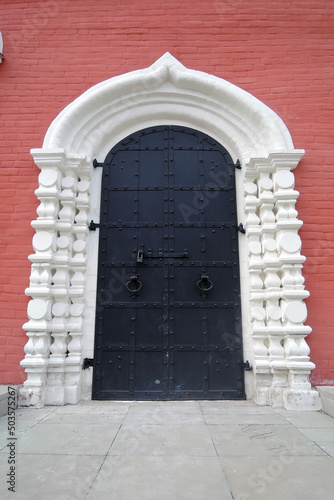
(168, 93)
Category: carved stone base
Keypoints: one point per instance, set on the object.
(32, 397)
(290, 399)
(302, 400)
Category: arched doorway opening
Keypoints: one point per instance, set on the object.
(168, 312)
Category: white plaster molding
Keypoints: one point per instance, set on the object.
(168, 92)
(1, 48)
(64, 265)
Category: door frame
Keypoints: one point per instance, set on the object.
(63, 276)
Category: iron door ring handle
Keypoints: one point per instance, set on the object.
(204, 284)
(134, 285)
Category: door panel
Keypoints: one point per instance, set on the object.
(187, 380)
(188, 326)
(151, 171)
(149, 374)
(153, 333)
(114, 372)
(121, 206)
(168, 322)
(123, 173)
(147, 200)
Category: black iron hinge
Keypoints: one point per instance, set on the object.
(247, 366)
(241, 228)
(237, 164)
(97, 163)
(87, 362)
(93, 225)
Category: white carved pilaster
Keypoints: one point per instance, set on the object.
(51, 273)
(282, 332)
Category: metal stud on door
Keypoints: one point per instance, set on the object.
(168, 322)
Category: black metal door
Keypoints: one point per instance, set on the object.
(168, 321)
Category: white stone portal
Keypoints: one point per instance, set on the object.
(63, 276)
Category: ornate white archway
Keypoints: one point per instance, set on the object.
(63, 276)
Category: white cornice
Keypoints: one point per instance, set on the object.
(168, 93)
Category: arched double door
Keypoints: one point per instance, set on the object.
(168, 320)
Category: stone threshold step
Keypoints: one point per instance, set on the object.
(4, 399)
(327, 398)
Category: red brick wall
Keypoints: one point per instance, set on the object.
(282, 52)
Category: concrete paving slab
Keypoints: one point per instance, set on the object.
(177, 405)
(3, 401)
(309, 419)
(83, 419)
(327, 447)
(21, 425)
(34, 413)
(161, 478)
(250, 418)
(261, 440)
(328, 405)
(209, 450)
(93, 407)
(62, 439)
(319, 435)
(3, 439)
(51, 477)
(234, 408)
(326, 390)
(280, 478)
(165, 414)
(166, 407)
(190, 440)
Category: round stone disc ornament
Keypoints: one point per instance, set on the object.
(37, 309)
(48, 177)
(296, 312)
(285, 179)
(42, 241)
(79, 245)
(291, 242)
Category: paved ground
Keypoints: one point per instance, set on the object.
(167, 450)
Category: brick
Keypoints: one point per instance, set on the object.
(284, 57)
